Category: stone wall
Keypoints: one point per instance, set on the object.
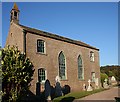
(49, 61)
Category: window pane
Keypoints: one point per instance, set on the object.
(80, 68)
(93, 76)
(91, 56)
(41, 75)
(40, 46)
(62, 66)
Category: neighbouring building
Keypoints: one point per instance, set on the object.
(52, 55)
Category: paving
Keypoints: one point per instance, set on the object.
(104, 96)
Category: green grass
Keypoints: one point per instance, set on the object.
(76, 95)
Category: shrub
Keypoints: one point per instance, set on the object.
(17, 72)
(103, 77)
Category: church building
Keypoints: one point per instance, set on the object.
(53, 56)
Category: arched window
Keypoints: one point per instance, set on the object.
(41, 75)
(80, 68)
(62, 69)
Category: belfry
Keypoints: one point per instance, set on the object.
(14, 14)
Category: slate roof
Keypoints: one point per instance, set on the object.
(57, 37)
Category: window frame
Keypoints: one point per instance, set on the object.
(80, 68)
(61, 65)
(92, 76)
(92, 56)
(41, 49)
(39, 75)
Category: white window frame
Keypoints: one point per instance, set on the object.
(42, 81)
(65, 77)
(44, 46)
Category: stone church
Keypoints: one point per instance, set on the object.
(53, 56)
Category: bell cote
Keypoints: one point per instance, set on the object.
(14, 14)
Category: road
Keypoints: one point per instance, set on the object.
(102, 96)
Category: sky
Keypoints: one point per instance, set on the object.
(95, 23)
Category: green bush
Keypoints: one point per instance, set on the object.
(103, 77)
(111, 74)
(17, 72)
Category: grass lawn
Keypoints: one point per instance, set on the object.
(76, 95)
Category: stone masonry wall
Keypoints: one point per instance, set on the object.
(49, 61)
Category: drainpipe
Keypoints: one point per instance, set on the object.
(24, 40)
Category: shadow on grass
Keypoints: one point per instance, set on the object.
(68, 99)
(30, 97)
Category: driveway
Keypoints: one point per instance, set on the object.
(102, 96)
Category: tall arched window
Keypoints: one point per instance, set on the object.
(80, 68)
(62, 69)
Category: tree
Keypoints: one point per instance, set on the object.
(17, 72)
(111, 74)
(113, 70)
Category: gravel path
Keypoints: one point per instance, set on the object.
(103, 96)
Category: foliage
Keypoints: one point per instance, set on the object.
(111, 70)
(110, 74)
(17, 72)
(103, 77)
(76, 95)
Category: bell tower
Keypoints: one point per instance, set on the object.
(14, 14)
